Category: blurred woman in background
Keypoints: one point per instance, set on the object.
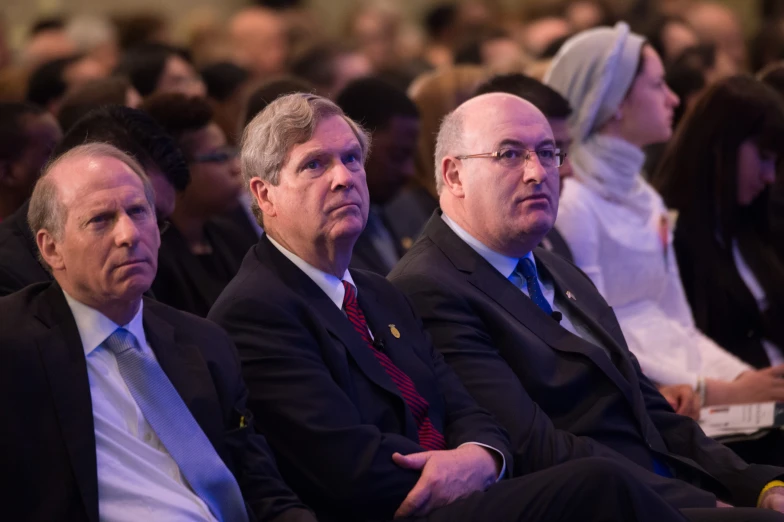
(716, 174)
(199, 255)
(617, 225)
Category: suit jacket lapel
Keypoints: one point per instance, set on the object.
(487, 279)
(63, 357)
(333, 318)
(187, 372)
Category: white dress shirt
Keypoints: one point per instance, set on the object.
(137, 478)
(633, 265)
(773, 352)
(507, 267)
(333, 287)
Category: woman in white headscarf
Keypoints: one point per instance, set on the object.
(617, 225)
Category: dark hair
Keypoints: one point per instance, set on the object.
(655, 34)
(138, 29)
(372, 103)
(144, 64)
(13, 140)
(316, 64)
(686, 75)
(269, 91)
(179, 114)
(773, 76)
(51, 23)
(89, 96)
(698, 173)
(440, 18)
(542, 96)
(470, 53)
(47, 82)
(223, 79)
(133, 132)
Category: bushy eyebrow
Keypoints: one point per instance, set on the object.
(509, 142)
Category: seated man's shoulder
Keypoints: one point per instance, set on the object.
(195, 329)
(424, 258)
(18, 311)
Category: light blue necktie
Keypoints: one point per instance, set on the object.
(528, 269)
(182, 436)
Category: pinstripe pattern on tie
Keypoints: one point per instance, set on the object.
(429, 437)
(528, 269)
(179, 432)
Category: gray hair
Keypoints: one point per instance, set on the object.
(449, 140)
(47, 211)
(284, 123)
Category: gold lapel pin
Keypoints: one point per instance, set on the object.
(406, 242)
(395, 331)
(570, 295)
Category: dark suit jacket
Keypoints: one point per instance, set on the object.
(723, 307)
(554, 242)
(366, 257)
(183, 281)
(331, 413)
(19, 266)
(48, 438)
(561, 397)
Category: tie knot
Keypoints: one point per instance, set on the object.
(527, 268)
(351, 294)
(120, 341)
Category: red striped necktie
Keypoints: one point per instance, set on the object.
(429, 437)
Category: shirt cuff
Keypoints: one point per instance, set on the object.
(500, 453)
(770, 485)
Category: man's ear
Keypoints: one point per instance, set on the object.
(261, 190)
(450, 173)
(49, 249)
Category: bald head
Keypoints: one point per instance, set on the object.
(469, 124)
(498, 172)
(259, 42)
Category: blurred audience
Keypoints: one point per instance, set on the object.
(392, 120)
(27, 136)
(773, 76)
(670, 36)
(48, 83)
(718, 24)
(155, 68)
(716, 174)
(329, 68)
(96, 37)
(198, 256)
(270, 90)
(129, 130)
(435, 94)
(81, 100)
(142, 28)
(48, 41)
(259, 42)
(227, 85)
(618, 227)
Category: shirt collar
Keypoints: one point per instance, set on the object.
(95, 328)
(504, 264)
(329, 284)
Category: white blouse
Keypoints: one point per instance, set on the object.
(629, 257)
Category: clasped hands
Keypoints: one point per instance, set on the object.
(447, 475)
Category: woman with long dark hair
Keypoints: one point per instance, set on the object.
(715, 174)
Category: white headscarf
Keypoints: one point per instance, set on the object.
(594, 70)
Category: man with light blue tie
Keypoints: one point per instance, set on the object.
(533, 340)
(119, 408)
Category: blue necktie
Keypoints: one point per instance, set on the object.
(528, 269)
(182, 436)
